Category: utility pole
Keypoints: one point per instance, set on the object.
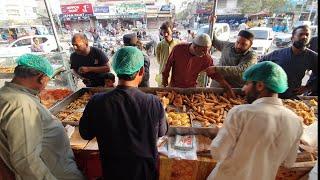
(213, 13)
(65, 62)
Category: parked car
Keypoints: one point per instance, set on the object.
(282, 40)
(222, 31)
(263, 38)
(23, 45)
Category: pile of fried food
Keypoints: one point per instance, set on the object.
(73, 112)
(49, 97)
(207, 108)
(6, 69)
(178, 119)
(302, 110)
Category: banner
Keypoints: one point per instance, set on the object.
(77, 9)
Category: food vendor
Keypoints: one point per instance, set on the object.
(126, 122)
(33, 144)
(88, 63)
(257, 138)
(187, 60)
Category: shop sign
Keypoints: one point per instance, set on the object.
(74, 17)
(165, 8)
(101, 9)
(204, 7)
(125, 9)
(77, 9)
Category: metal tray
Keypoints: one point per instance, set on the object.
(173, 130)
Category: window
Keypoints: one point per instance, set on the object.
(43, 40)
(22, 42)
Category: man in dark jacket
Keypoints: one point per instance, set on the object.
(132, 40)
(126, 122)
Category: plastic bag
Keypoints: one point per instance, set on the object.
(162, 145)
(189, 153)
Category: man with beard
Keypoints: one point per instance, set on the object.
(257, 138)
(187, 60)
(295, 61)
(88, 63)
(235, 58)
(164, 48)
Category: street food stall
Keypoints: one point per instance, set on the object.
(195, 114)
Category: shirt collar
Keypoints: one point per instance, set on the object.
(21, 88)
(268, 100)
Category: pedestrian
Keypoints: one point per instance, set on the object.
(126, 122)
(258, 137)
(187, 60)
(235, 58)
(88, 63)
(132, 40)
(164, 48)
(33, 143)
(295, 61)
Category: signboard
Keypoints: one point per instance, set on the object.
(77, 9)
(204, 7)
(101, 9)
(73, 17)
(165, 8)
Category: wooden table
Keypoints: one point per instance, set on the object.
(87, 157)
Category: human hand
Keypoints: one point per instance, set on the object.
(83, 70)
(210, 70)
(212, 18)
(164, 82)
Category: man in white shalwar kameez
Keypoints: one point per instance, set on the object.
(258, 137)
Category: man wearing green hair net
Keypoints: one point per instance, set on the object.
(33, 143)
(126, 122)
(257, 138)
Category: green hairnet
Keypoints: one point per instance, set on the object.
(127, 60)
(273, 76)
(36, 62)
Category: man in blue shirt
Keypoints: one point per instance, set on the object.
(296, 60)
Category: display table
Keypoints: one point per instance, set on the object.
(87, 157)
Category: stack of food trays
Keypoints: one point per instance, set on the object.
(189, 111)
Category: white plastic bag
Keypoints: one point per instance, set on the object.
(175, 153)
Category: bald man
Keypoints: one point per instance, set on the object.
(88, 63)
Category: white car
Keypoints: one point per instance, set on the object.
(23, 45)
(263, 38)
(222, 31)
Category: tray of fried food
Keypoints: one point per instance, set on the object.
(209, 110)
(63, 114)
(311, 101)
(73, 118)
(6, 70)
(204, 109)
(178, 119)
(302, 110)
(80, 102)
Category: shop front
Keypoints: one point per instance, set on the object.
(77, 16)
